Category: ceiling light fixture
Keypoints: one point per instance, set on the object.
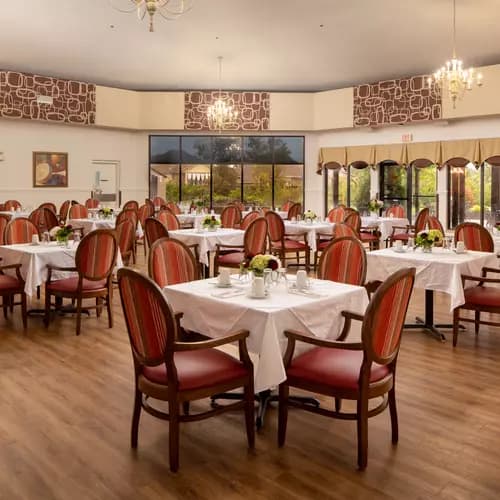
(452, 77)
(169, 9)
(220, 114)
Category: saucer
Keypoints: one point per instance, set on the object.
(399, 250)
(252, 296)
(220, 285)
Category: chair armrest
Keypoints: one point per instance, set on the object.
(486, 270)
(349, 316)
(371, 286)
(207, 344)
(481, 279)
(58, 268)
(17, 267)
(294, 235)
(219, 246)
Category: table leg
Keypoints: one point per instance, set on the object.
(428, 323)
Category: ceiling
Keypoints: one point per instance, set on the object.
(266, 44)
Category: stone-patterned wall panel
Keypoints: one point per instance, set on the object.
(395, 102)
(253, 109)
(73, 102)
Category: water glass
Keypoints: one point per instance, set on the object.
(76, 237)
(267, 277)
(275, 278)
(282, 274)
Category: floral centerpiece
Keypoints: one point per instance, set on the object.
(62, 234)
(210, 222)
(375, 205)
(309, 215)
(106, 212)
(497, 226)
(427, 239)
(259, 262)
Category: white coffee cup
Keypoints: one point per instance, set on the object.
(224, 277)
(460, 247)
(35, 239)
(399, 245)
(258, 287)
(301, 280)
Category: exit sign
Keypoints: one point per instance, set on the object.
(407, 138)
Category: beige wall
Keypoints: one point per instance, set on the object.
(291, 111)
(333, 109)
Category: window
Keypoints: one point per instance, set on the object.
(393, 184)
(359, 188)
(336, 187)
(424, 180)
(215, 170)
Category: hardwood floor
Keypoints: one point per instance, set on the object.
(66, 403)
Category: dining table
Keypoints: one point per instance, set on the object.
(92, 223)
(194, 219)
(312, 229)
(15, 214)
(281, 213)
(384, 224)
(437, 271)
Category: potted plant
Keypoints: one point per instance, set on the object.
(62, 234)
(106, 212)
(260, 262)
(211, 223)
(309, 216)
(427, 239)
(374, 206)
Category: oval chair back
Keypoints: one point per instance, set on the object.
(434, 223)
(169, 219)
(249, 217)
(275, 226)
(230, 216)
(286, 206)
(255, 239)
(128, 214)
(343, 261)
(173, 207)
(63, 210)
(336, 214)
(396, 211)
(341, 229)
(125, 236)
(96, 254)
(91, 203)
(38, 218)
(49, 205)
(475, 237)
(144, 212)
(353, 220)
(171, 262)
(421, 220)
(4, 220)
(158, 201)
(294, 211)
(131, 205)
(154, 230)
(78, 211)
(20, 230)
(12, 205)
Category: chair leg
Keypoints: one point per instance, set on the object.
(46, 319)
(78, 315)
(98, 303)
(5, 303)
(109, 300)
(186, 407)
(338, 404)
(308, 259)
(362, 424)
(477, 319)
(136, 415)
(173, 435)
(394, 415)
(24, 310)
(250, 413)
(282, 413)
(455, 326)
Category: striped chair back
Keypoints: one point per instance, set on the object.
(286, 206)
(353, 220)
(239, 204)
(38, 218)
(230, 216)
(336, 214)
(249, 217)
(434, 223)
(154, 230)
(275, 226)
(4, 220)
(343, 261)
(340, 229)
(20, 230)
(144, 212)
(173, 207)
(95, 256)
(475, 237)
(125, 236)
(150, 321)
(421, 220)
(169, 219)
(384, 318)
(63, 210)
(294, 211)
(255, 239)
(171, 262)
(50, 206)
(131, 205)
(92, 203)
(396, 211)
(158, 201)
(150, 204)
(128, 214)
(12, 205)
(78, 211)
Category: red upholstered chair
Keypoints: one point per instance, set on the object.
(358, 371)
(280, 242)
(78, 211)
(344, 261)
(12, 205)
(20, 230)
(249, 217)
(4, 220)
(434, 223)
(38, 218)
(475, 237)
(63, 211)
(145, 211)
(370, 236)
(51, 206)
(172, 262)
(254, 242)
(91, 203)
(154, 230)
(397, 211)
(337, 214)
(286, 206)
(230, 216)
(173, 207)
(294, 211)
(158, 201)
(128, 214)
(131, 205)
(353, 220)
(324, 239)
(178, 372)
(95, 260)
(403, 233)
(125, 236)
(11, 286)
(169, 219)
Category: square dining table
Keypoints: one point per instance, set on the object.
(216, 312)
(312, 230)
(14, 214)
(90, 224)
(439, 270)
(384, 224)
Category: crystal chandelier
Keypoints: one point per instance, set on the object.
(220, 114)
(453, 78)
(169, 9)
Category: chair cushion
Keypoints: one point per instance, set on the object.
(368, 237)
(69, 285)
(323, 244)
(290, 245)
(198, 369)
(9, 283)
(400, 236)
(233, 258)
(335, 368)
(483, 296)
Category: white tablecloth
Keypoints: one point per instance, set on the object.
(282, 214)
(311, 229)
(195, 219)
(89, 225)
(207, 240)
(267, 318)
(35, 258)
(439, 270)
(14, 214)
(385, 224)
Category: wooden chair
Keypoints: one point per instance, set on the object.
(397, 211)
(294, 211)
(12, 205)
(280, 242)
(475, 237)
(358, 371)
(158, 201)
(154, 230)
(51, 206)
(406, 232)
(92, 203)
(343, 261)
(37, 216)
(169, 219)
(324, 239)
(337, 214)
(254, 242)
(128, 214)
(20, 230)
(286, 206)
(4, 220)
(230, 216)
(95, 260)
(171, 262)
(174, 207)
(125, 236)
(434, 223)
(63, 211)
(249, 217)
(370, 236)
(11, 286)
(178, 372)
(143, 213)
(131, 205)
(78, 211)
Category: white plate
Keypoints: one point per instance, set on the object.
(252, 296)
(221, 285)
(399, 250)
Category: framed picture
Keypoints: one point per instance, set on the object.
(50, 169)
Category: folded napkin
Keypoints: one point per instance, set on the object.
(226, 294)
(307, 293)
